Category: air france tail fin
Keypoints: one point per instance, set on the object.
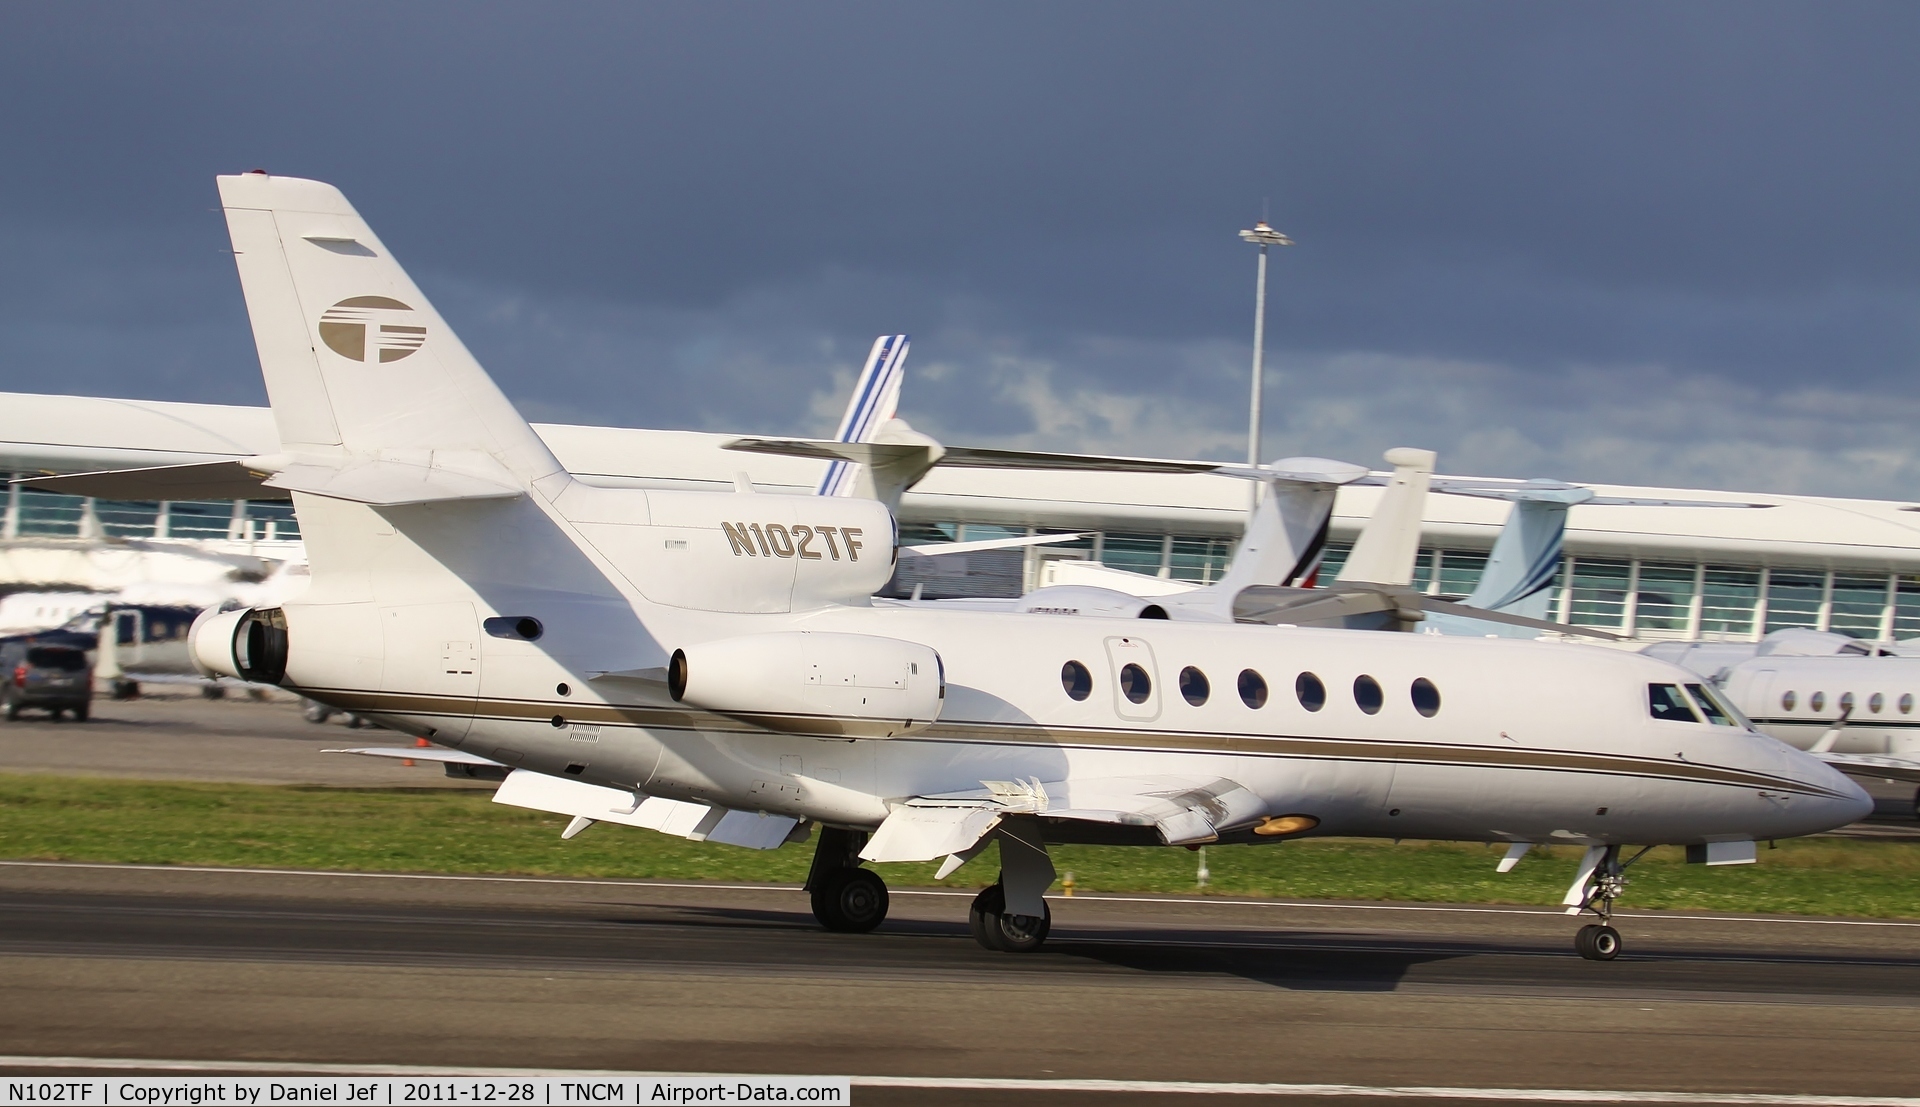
(876, 396)
(1390, 541)
(359, 367)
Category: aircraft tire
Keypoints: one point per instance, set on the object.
(851, 901)
(1596, 942)
(996, 930)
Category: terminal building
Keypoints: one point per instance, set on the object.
(1650, 573)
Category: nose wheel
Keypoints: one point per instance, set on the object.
(1597, 942)
(1601, 879)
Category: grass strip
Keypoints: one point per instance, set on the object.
(463, 831)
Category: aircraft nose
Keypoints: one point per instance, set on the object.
(1846, 802)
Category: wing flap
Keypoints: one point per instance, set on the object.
(698, 822)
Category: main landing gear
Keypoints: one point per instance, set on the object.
(1599, 882)
(998, 930)
(846, 897)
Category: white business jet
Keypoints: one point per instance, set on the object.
(708, 663)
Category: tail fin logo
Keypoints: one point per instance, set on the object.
(358, 326)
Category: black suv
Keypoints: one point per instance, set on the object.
(53, 677)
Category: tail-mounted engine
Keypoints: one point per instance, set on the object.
(813, 682)
(249, 644)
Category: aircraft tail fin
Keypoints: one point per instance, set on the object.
(1287, 531)
(1390, 542)
(876, 396)
(1525, 558)
(358, 364)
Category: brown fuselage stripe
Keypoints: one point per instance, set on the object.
(1299, 748)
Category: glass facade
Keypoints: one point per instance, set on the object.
(30, 512)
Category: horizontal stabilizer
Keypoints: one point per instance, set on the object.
(387, 483)
(205, 480)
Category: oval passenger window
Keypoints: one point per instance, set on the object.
(1875, 702)
(1193, 686)
(1134, 683)
(1906, 703)
(1846, 701)
(1787, 700)
(1426, 698)
(1366, 693)
(1817, 701)
(1076, 680)
(1253, 689)
(1312, 693)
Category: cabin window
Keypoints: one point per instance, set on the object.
(1846, 701)
(1664, 701)
(1817, 701)
(1312, 693)
(1075, 678)
(1709, 706)
(1367, 693)
(1906, 703)
(1253, 689)
(1134, 683)
(1875, 702)
(1787, 700)
(1426, 698)
(1193, 686)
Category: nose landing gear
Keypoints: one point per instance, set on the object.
(1599, 881)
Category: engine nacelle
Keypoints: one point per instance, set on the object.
(249, 644)
(814, 682)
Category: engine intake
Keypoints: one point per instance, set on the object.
(249, 644)
(813, 682)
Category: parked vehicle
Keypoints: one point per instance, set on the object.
(54, 677)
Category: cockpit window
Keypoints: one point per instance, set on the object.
(1709, 706)
(1664, 701)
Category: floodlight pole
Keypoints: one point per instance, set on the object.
(1262, 236)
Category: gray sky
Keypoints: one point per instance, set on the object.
(1664, 243)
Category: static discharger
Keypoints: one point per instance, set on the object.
(1275, 825)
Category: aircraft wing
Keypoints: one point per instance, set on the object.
(422, 753)
(935, 549)
(1273, 604)
(880, 453)
(1183, 810)
(1873, 765)
(590, 803)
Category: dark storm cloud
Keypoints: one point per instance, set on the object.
(696, 214)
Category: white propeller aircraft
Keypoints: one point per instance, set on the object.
(708, 664)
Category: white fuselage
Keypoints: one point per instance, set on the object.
(1530, 742)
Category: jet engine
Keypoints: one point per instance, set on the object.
(247, 643)
(813, 682)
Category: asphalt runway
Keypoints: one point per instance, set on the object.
(212, 965)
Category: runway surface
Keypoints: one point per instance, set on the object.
(114, 961)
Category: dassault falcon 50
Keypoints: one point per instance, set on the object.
(708, 664)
